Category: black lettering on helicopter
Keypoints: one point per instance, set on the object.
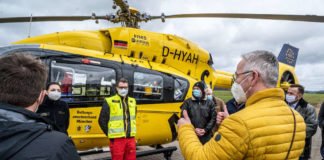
(139, 36)
(84, 116)
(84, 112)
(180, 55)
(84, 121)
(140, 39)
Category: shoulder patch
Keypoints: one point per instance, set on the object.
(218, 137)
(45, 114)
(115, 101)
(61, 112)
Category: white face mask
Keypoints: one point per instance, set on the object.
(209, 97)
(122, 92)
(238, 93)
(290, 98)
(54, 95)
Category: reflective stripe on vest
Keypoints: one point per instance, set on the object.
(116, 121)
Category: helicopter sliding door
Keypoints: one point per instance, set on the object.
(148, 87)
(85, 83)
(159, 96)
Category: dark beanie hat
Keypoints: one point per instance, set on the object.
(201, 85)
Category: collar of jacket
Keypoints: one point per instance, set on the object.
(21, 111)
(126, 98)
(274, 93)
(48, 102)
(302, 103)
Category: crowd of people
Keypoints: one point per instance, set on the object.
(260, 122)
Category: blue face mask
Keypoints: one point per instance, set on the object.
(209, 97)
(196, 93)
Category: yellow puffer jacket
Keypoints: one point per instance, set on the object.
(263, 130)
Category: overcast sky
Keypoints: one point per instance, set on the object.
(226, 39)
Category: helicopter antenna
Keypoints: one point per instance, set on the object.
(30, 23)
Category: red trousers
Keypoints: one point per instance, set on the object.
(123, 148)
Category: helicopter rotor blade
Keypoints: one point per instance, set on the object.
(50, 18)
(306, 18)
(115, 19)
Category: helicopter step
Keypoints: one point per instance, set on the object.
(94, 151)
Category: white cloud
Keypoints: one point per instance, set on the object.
(226, 39)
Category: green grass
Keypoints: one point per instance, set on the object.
(313, 98)
(223, 94)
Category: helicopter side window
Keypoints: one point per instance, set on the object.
(82, 82)
(148, 86)
(180, 88)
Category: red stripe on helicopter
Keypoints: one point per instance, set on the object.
(120, 44)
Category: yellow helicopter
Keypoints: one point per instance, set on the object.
(161, 69)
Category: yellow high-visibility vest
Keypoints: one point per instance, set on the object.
(116, 120)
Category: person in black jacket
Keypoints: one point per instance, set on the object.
(233, 106)
(54, 109)
(321, 125)
(23, 133)
(295, 100)
(201, 112)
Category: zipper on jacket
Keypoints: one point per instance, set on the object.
(126, 117)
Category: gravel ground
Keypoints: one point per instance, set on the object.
(177, 154)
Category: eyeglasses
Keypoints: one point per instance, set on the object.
(237, 74)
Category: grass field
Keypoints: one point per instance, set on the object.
(312, 98)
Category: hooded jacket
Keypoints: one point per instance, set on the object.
(202, 114)
(25, 135)
(263, 130)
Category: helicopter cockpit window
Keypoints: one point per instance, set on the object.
(180, 88)
(148, 86)
(81, 82)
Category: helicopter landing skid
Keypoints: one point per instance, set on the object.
(167, 151)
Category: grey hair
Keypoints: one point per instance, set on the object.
(265, 63)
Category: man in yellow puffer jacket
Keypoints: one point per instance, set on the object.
(266, 129)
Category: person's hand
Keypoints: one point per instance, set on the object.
(200, 132)
(197, 131)
(184, 120)
(221, 116)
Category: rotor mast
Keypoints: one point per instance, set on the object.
(126, 15)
